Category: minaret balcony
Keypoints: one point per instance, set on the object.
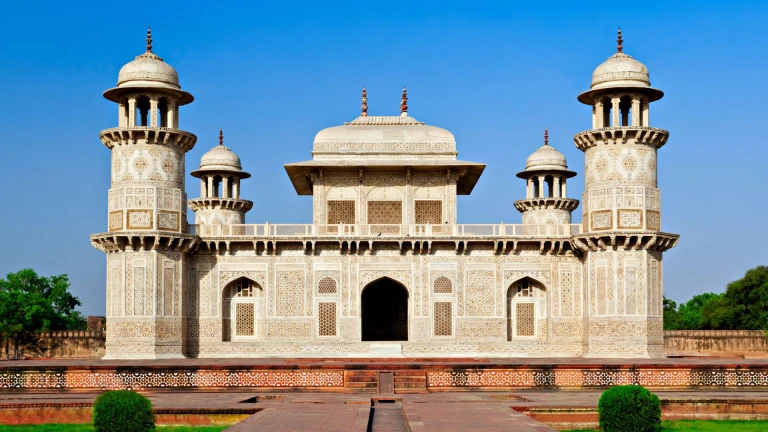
(567, 204)
(311, 231)
(220, 203)
(644, 135)
(151, 134)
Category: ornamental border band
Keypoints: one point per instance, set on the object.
(384, 270)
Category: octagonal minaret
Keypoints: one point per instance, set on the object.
(621, 206)
(147, 238)
(220, 174)
(546, 201)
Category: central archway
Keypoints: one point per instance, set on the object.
(384, 311)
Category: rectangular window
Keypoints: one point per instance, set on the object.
(443, 318)
(429, 212)
(244, 319)
(525, 319)
(327, 319)
(385, 212)
(341, 212)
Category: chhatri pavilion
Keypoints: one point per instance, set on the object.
(384, 268)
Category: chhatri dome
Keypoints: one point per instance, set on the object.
(220, 159)
(546, 158)
(148, 71)
(621, 72)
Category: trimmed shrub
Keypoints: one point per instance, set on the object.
(123, 411)
(629, 408)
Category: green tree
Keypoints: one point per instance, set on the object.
(671, 317)
(743, 306)
(690, 313)
(31, 304)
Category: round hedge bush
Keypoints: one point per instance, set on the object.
(629, 408)
(123, 411)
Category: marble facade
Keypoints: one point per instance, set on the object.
(384, 194)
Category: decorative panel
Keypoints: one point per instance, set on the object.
(244, 319)
(630, 219)
(139, 219)
(290, 293)
(429, 212)
(341, 212)
(525, 320)
(479, 293)
(326, 319)
(168, 279)
(443, 316)
(653, 220)
(443, 285)
(326, 285)
(139, 283)
(116, 220)
(168, 221)
(601, 220)
(385, 212)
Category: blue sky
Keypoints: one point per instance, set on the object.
(494, 73)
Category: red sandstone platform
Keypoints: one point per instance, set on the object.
(402, 375)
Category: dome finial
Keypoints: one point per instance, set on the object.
(404, 103)
(364, 107)
(221, 137)
(149, 39)
(619, 41)
(546, 137)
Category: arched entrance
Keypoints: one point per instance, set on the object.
(385, 311)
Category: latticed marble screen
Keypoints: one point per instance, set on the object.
(385, 212)
(525, 320)
(443, 285)
(326, 285)
(429, 212)
(244, 319)
(443, 315)
(341, 212)
(327, 319)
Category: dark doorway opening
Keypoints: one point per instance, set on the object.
(385, 311)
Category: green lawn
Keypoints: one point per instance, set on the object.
(89, 428)
(706, 426)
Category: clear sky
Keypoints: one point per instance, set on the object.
(495, 74)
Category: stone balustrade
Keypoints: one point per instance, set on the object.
(373, 230)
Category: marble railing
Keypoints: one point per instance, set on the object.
(381, 230)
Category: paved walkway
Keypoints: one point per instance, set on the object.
(449, 411)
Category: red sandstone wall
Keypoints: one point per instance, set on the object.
(716, 342)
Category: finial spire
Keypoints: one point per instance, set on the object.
(221, 137)
(364, 107)
(404, 103)
(546, 137)
(619, 41)
(149, 39)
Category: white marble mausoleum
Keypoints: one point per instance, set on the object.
(383, 268)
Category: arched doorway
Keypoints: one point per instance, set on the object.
(385, 311)
(242, 308)
(523, 308)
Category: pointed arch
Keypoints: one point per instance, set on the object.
(384, 310)
(523, 307)
(242, 308)
(327, 285)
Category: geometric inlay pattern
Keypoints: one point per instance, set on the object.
(327, 318)
(429, 212)
(326, 286)
(443, 319)
(443, 285)
(526, 320)
(341, 212)
(385, 212)
(244, 319)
